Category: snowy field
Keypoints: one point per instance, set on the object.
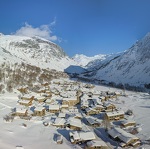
(36, 136)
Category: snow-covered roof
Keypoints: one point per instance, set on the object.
(90, 120)
(97, 101)
(20, 110)
(73, 110)
(83, 136)
(54, 107)
(97, 106)
(48, 100)
(87, 135)
(70, 98)
(78, 115)
(89, 109)
(27, 96)
(59, 121)
(24, 101)
(39, 97)
(93, 120)
(62, 115)
(75, 135)
(108, 104)
(102, 97)
(64, 106)
(97, 143)
(68, 94)
(59, 137)
(39, 108)
(121, 134)
(74, 122)
(84, 102)
(125, 122)
(114, 113)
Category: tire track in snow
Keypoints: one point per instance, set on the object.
(5, 105)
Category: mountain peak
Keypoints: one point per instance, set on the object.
(83, 60)
(35, 51)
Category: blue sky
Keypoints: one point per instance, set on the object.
(87, 27)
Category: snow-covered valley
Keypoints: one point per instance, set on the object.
(32, 133)
(76, 111)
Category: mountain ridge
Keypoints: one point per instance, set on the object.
(130, 68)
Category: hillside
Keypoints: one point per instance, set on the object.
(27, 61)
(130, 68)
(34, 51)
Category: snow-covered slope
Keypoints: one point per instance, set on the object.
(83, 60)
(34, 51)
(131, 67)
(97, 63)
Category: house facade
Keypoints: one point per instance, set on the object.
(115, 115)
(39, 111)
(54, 108)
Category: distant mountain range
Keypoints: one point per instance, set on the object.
(83, 60)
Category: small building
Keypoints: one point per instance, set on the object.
(84, 104)
(27, 97)
(74, 123)
(71, 101)
(94, 122)
(40, 98)
(117, 93)
(81, 136)
(97, 101)
(127, 139)
(41, 90)
(109, 106)
(128, 123)
(115, 115)
(59, 139)
(69, 94)
(49, 101)
(39, 111)
(20, 112)
(73, 110)
(23, 90)
(78, 115)
(65, 106)
(96, 144)
(102, 98)
(55, 91)
(91, 111)
(59, 122)
(98, 108)
(25, 102)
(54, 108)
(62, 115)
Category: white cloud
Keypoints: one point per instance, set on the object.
(43, 31)
(53, 23)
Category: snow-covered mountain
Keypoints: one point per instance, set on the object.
(34, 51)
(97, 63)
(83, 60)
(131, 67)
